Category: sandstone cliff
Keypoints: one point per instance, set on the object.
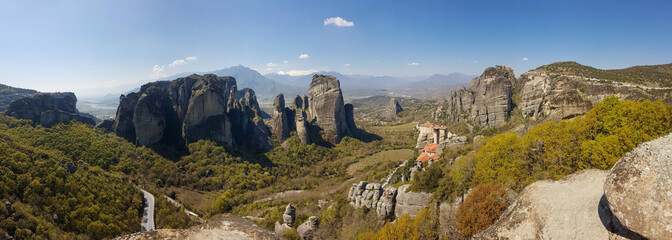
(188, 109)
(559, 97)
(326, 108)
(48, 109)
(323, 108)
(487, 102)
(391, 110)
(572, 208)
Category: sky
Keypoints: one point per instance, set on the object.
(95, 47)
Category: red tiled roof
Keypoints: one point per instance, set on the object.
(430, 148)
(424, 158)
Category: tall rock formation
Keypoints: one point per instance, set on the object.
(323, 107)
(280, 124)
(48, 109)
(488, 100)
(189, 109)
(392, 109)
(326, 108)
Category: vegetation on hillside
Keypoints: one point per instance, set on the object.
(54, 196)
(550, 150)
(652, 75)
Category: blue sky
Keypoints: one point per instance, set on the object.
(92, 47)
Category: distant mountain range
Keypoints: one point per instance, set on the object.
(354, 85)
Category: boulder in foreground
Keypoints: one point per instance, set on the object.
(639, 189)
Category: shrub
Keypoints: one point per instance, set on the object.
(481, 208)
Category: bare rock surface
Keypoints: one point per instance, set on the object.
(191, 108)
(571, 208)
(307, 229)
(48, 109)
(220, 227)
(639, 189)
(326, 107)
(280, 124)
(410, 203)
(487, 102)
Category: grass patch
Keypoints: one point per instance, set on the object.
(379, 158)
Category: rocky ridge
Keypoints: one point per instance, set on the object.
(48, 109)
(191, 108)
(388, 201)
(489, 99)
(322, 107)
(487, 102)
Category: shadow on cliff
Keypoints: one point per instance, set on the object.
(611, 223)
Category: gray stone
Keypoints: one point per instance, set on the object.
(326, 107)
(572, 207)
(639, 189)
(191, 108)
(307, 229)
(48, 109)
(411, 203)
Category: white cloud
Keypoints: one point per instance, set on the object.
(475, 61)
(295, 73)
(177, 63)
(184, 61)
(285, 61)
(347, 65)
(338, 21)
(158, 71)
(525, 59)
(270, 64)
(414, 64)
(304, 56)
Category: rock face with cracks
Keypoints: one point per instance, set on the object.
(48, 109)
(571, 208)
(326, 107)
(188, 109)
(639, 189)
(487, 102)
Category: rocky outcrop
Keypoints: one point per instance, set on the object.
(48, 109)
(307, 229)
(189, 109)
(639, 189)
(287, 218)
(326, 108)
(217, 227)
(323, 107)
(350, 116)
(487, 102)
(573, 207)
(560, 97)
(374, 196)
(410, 202)
(391, 110)
(280, 125)
(9, 94)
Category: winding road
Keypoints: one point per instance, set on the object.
(148, 212)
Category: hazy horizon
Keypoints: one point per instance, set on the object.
(91, 48)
